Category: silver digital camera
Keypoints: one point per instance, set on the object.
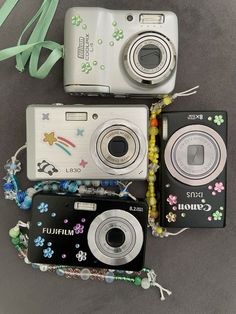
(120, 52)
(87, 142)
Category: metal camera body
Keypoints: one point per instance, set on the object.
(193, 169)
(120, 52)
(88, 232)
(87, 142)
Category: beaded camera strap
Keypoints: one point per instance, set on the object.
(153, 155)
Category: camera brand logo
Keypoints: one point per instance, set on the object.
(195, 117)
(204, 207)
(58, 231)
(83, 48)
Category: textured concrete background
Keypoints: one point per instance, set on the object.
(199, 265)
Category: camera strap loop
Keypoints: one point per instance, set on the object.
(30, 52)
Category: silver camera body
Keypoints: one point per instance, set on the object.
(87, 142)
(120, 52)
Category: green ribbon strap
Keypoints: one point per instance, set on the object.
(30, 52)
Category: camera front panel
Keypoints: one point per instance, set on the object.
(193, 169)
(129, 53)
(86, 142)
(76, 231)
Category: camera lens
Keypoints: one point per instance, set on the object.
(115, 237)
(149, 56)
(118, 146)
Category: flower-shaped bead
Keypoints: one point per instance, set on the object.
(217, 215)
(118, 34)
(171, 217)
(43, 207)
(78, 228)
(172, 199)
(48, 252)
(219, 186)
(76, 20)
(13, 167)
(10, 195)
(39, 241)
(81, 256)
(218, 119)
(86, 67)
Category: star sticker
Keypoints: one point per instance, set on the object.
(45, 116)
(83, 163)
(50, 138)
(80, 132)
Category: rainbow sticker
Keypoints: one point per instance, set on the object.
(59, 141)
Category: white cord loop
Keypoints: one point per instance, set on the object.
(152, 279)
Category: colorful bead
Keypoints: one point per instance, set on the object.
(72, 187)
(15, 241)
(145, 283)
(87, 182)
(109, 277)
(60, 272)
(8, 186)
(105, 183)
(14, 232)
(55, 187)
(20, 196)
(137, 281)
(64, 184)
(85, 274)
(154, 122)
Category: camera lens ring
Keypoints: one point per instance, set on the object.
(151, 76)
(103, 146)
(130, 164)
(115, 218)
(210, 139)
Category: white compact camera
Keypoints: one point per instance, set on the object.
(87, 142)
(120, 52)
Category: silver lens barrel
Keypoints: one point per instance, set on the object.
(150, 58)
(105, 223)
(131, 147)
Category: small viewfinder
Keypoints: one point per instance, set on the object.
(151, 18)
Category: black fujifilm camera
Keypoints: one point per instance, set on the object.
(193, 169)
(94, 232)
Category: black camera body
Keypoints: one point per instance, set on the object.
(193, 169)
(88, 232)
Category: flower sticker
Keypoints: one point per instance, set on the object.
(86, 67)
(217, 215)
(218, 119)
(43, 207)
(171, 217)
(172, 199)
(81, 256)
(76, 20)
(48, 252)
(219, 186)
(39, 241)
(118, 34)
(78, 228)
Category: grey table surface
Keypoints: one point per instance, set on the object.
(199, 266)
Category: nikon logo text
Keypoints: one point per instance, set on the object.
(204, 207)
(81, 48)
(58, 231)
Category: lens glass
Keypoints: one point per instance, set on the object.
(118, 146)
(115, 237)
(149, 56)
